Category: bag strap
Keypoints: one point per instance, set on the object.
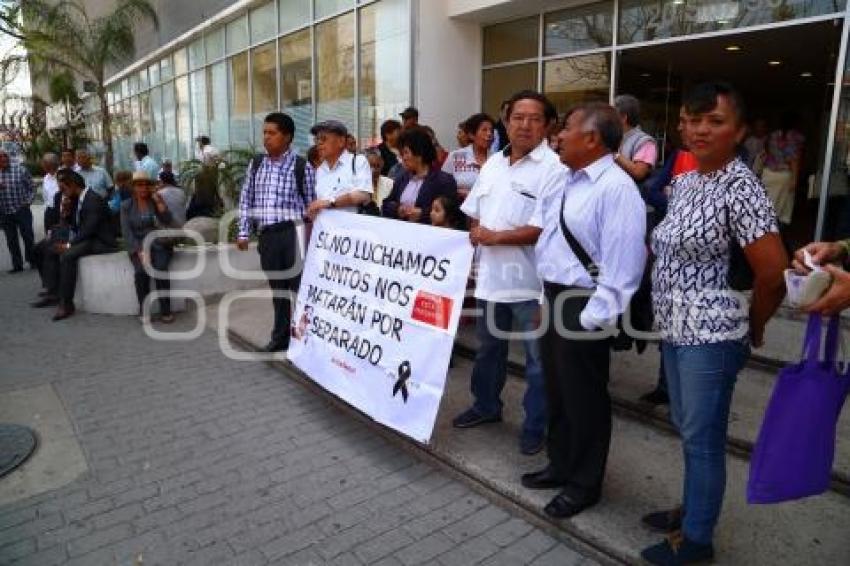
(833, 335)
(579, 251)
(300, 177)
(811, 342)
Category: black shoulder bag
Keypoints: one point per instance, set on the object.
(640, 306)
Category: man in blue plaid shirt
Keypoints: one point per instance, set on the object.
(15, 198)
(278, 188)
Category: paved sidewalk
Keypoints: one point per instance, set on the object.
(194, 458)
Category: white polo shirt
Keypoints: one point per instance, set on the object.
(342, 179)
(504, 198)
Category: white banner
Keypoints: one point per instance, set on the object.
(377, 312)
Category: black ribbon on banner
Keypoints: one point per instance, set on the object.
(403, 376)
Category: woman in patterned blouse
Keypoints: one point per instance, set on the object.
(706, 328)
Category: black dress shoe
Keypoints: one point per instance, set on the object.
(564, 506)
(47, 301)
(544, 479)
(63, 313)
(275, 346)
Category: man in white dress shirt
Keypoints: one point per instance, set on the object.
(343, 180)
(507, 288)
(600, 209)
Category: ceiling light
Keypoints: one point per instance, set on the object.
(678, 2)
(722, 22)
(645, 74)
(806, 74)
(733, 48)
(774, 63)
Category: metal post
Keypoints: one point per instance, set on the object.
(833, 122)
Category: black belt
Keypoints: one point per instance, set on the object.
(277, 227)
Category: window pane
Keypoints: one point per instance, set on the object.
(169, 119)
(198, 90)
(500, 84)
(240, 102)
(263, 23)
(335, 67)
(181, 63)
(644, 20)
(577, 79)
(145, 115)
(133, 118)
(155, 139)
(264, 82)
(197, 57)
(511, 41)
(580, 28)
(184, 118)
(293, 14)
(214, 42)
(385, 71)
(125, 89)
(166, 71)
(326, 8)
(217, 104)
(153, 72)
(143, 80)
(237, 35)
(296, 96)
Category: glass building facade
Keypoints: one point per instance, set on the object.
(314, 59)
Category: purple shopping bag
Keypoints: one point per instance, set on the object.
(793, 455)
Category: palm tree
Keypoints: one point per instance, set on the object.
(62, 37)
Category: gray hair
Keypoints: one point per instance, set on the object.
(603, 119)
(629, 106)
(50, 158)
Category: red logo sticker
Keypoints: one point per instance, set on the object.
(432, 309)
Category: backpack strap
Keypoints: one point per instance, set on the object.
(579, 251)
(301, 177)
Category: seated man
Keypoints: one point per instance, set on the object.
(57, 223)
(93, 234)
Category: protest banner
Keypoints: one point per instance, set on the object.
(377, 312)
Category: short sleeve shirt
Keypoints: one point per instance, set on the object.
(692, 301)
(647, 153)
(504, 198)
(344, 178)
(461, 164)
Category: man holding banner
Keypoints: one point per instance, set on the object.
(278, 188)
(343, 180)
(507, 289)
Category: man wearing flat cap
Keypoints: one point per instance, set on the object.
(343, 180)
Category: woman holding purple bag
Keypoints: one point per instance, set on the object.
(707, 327)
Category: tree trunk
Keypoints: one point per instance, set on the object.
(106, 124)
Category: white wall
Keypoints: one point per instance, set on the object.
(447, 67)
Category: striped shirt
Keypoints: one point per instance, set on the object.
(15, 188)
(272, 196)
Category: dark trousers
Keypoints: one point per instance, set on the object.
(160, 257)
(60, 270)
(576, 376)
(39, 253)
(279, 251)
(19, 221)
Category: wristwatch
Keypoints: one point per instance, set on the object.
(332, 203)
(845, 246)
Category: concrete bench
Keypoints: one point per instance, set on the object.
(105, 282)
(38, 229)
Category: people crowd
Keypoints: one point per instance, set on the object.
(574, 212)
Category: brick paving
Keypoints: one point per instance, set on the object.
(197, 459)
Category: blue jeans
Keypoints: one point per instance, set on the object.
(700, 381)
(490, 370)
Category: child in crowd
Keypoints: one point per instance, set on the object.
(445, 213)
